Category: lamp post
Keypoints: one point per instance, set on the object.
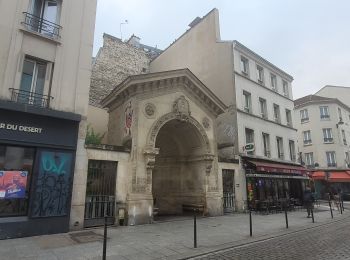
(120, 26)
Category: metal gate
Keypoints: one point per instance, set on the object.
(100, 193)
(228, 190)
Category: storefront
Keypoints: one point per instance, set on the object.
(274, 182)
(332, 181)
(37, 155)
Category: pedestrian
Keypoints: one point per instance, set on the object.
(308, 200)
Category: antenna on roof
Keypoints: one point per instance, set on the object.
(121, 35)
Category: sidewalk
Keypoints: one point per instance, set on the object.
(166, 240)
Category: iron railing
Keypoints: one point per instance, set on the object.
(31, 98)
(40, 25)
(229, 204)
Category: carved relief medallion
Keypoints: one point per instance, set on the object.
(150, 109)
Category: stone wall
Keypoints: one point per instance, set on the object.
(115, 61)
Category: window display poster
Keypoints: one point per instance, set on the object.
(13, 184)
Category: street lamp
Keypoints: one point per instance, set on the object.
(120, 26)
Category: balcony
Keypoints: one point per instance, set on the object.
(30, 98)
(267, 154)
(307, 142)
(325, 116)
(328, 140)
(281, 156)
(42, 26)
(305, 119)
(331, 164)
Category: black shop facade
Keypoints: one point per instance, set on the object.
(37, 157)
(272, 182)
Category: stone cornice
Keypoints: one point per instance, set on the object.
(155, 82)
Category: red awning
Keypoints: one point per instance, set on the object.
(279, 168)
(334, 176)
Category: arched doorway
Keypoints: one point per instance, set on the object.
(179, 173)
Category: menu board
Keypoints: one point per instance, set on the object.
(13, 184)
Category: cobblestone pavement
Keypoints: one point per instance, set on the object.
(329, 242)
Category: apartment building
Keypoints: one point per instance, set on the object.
(256, 136)
(323, 140)
(45, 67)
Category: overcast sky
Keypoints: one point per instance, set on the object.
(309, 39)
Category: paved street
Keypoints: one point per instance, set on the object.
(174, 239)
(324, 242)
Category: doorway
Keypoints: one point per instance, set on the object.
(228, 190)
(100, 193)
(179, 175)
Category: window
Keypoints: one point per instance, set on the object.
(260, 74)
(309, 159)
(266, 144)
(307, 137)
(347, 159)
(292, 150)
(340, 115)
(344, 137)
(273, 82)
(43, 17)
(31, 89)
(280, 153)
(304, 115)
(289, 118)
(244, 66)
(249, 139)
(16, 165)
(247, 102)
(285, 88)
(324, 112)
(276, 113)
(331, 161)
(263, 108)
(327, 135)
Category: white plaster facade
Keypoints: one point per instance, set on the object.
(315, 124)
(339, 92)
(67, 56)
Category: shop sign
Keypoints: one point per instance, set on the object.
(13, 184)
(249, 147)
(21, 128)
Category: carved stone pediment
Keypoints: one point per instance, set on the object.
(181, 108)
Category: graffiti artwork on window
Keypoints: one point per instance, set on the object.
(53, 184)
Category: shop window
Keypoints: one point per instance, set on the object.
(52, 187)
(16, 165)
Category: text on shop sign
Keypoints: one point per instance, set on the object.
(21, 128)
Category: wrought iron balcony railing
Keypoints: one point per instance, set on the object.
(40, 25)
(31, 98)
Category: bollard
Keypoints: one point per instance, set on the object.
(286, 216)
(194, 229)
(250, 223)
(312, 214)
(104, 240)
(330, 207)
(341, 207)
